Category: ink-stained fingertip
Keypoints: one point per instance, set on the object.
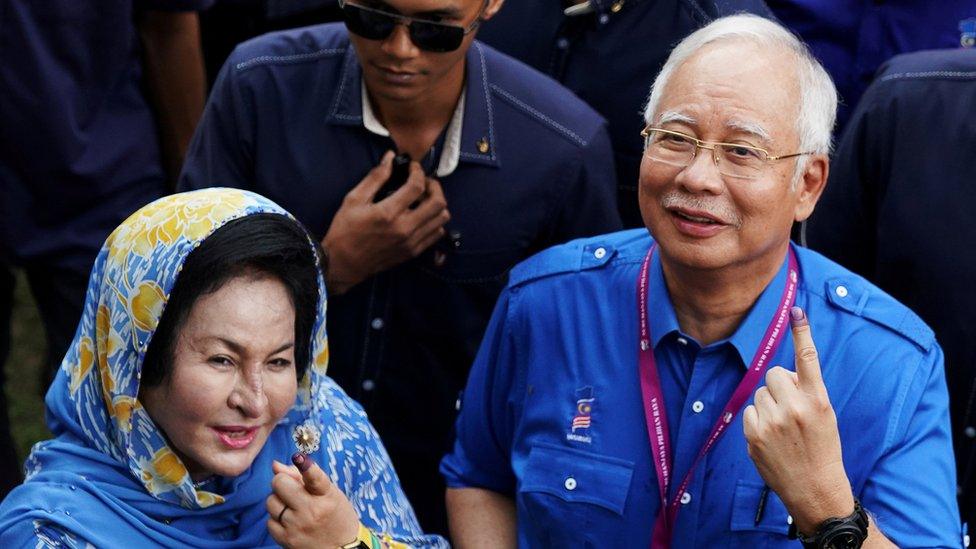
(798, 317)
(302, 461)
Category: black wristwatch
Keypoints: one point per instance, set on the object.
(837, 533)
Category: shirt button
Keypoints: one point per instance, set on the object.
(970, 432)
(682, 341)
(570, 483)
(599, 253)
(698, 406)
(562, 43)
(377, 323)
(369, 384)
(841, 291)
(685, 498)
(604, 18)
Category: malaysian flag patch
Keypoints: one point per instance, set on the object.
(583, 418)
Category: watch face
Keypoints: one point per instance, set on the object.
(845, 540)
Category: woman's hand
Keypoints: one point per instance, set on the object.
(306, 509)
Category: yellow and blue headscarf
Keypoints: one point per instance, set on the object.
(109, 474)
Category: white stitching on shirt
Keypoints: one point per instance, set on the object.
(342, 86)
(491, 116)
(285, 59)
(929, 74)
(556, 125)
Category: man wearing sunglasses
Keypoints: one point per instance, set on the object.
(506, 163)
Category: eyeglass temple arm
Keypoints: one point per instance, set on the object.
(781, 157)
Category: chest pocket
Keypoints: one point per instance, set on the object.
(580, 496)
(747, 531)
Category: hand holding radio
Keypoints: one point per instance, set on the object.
(392, 215)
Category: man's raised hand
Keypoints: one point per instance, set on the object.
(792, 436)
(365, 238)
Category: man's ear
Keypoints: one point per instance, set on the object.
(810, 186)
(492, 9)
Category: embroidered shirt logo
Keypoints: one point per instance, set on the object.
(583, 418)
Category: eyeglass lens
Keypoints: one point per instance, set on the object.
(733, 160)
(377, 25)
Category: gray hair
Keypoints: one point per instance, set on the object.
(818, 96)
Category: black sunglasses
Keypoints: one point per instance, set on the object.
(373, 24)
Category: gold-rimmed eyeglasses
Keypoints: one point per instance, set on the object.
(732, 159)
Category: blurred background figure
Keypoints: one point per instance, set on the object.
(98, 101)
(898, 209)
(230, 22)
(852, 38)
(608, 53)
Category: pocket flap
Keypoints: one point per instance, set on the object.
(577, 476)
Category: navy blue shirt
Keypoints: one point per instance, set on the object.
(535, 168)
(608, 57)
(852, 38)
(566, 328)
(898, 209)
(78, 143)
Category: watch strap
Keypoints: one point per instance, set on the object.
(852, 527)
(365, 539)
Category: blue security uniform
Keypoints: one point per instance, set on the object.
(608, 54)
(898, 210)
(852, 38)
(534, 168)
(78, 153)
(566, 329)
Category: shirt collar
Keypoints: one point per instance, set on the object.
(748, 335)
(477, 141)
(451, 154)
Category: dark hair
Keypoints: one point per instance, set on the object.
(263, 244)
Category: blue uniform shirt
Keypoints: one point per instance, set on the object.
(535, 168)
(608, 56)
(898, 209)
(78, 143)
(565, 329)
(852, 38)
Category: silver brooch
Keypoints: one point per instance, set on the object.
(307, 437)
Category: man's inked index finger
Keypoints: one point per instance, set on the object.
(807, 360)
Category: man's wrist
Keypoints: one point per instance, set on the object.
(809, 516)
(847, 532)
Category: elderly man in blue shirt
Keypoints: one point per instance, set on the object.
(635, 391)
(507, 163)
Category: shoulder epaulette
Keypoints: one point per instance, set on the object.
(579, 255)
(856, 296)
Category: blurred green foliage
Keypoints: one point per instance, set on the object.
(23, 369)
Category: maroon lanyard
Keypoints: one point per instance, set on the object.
(656, 417)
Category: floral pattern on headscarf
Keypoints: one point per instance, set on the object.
(130, 284)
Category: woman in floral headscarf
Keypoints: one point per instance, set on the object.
(198, 364)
